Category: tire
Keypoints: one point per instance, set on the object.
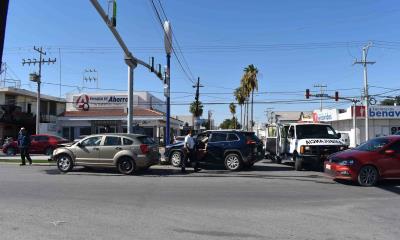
(126, 165)
(48, 151)
(64, 163)
(176, 158)
(11, 151)
(298, 163)
(367, 176)
(233, 162)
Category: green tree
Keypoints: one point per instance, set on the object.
(249, 83)
(229, 124)
(196, 109)
(232, 109)
(391, 101)
(240, 98)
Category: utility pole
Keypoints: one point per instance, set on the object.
(197, 86)
(321, 87)
(38, 78)
(167, 81)
(130, 60)
(3, 22)
(364, 62)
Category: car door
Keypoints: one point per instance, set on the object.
(216, 147)
(390, 163)
(87, 150)
(35, 144)
(111, 146)
(291, 140)
(272, 142)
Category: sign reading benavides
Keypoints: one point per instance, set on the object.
(384, 112)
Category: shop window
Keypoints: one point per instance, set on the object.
(53, 108)
(85, 131)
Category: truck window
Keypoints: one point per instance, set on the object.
(315, 131)
(291, 132)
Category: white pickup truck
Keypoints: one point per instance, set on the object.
(303, 143)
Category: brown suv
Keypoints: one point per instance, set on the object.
(126, 152)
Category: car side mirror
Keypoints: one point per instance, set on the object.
(79, 144)
(389, 152)
(339, 135)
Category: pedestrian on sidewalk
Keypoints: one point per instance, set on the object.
(189, 146)
(24, 142)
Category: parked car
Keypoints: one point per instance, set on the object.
(40, 144)
(376, 159)
(232, 148)
(179, 139)
(126, 152)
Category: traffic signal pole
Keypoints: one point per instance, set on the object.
(130, 60)
(3, 23)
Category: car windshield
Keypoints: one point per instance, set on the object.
(373, 144)
(315, 131)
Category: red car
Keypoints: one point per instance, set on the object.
(40, 144)
(376, 159)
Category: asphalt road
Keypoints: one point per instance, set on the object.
(269, 202)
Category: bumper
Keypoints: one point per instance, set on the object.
(337, 171)
(313, 158)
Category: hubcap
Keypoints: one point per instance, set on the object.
(176, 159)
(232, 162)
(368, 175)
(64, 163)
(126, 165)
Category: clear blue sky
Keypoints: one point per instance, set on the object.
(294, 44)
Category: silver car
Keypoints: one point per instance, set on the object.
(126, 152)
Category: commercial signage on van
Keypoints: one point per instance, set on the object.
(387, 112)
(85, 101)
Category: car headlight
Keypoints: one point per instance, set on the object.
(346, 162)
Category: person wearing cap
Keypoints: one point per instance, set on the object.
(24, 141)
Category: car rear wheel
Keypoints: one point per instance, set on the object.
(11, 151)
(126, 166)
(48, 151)
(176, 158)
(368, 176)
(64, 163)
(233, 162)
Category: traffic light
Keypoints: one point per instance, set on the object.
(307, 93)
(336, 96)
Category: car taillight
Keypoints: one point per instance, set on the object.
(144, 148)
(251, 142)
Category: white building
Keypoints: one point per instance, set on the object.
(18, 108)
(90, 113)
(383, 121)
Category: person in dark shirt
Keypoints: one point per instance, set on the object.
(24, 142)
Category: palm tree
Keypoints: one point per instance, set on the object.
(232, 109)
(196, 109)
(240, 98)
(250, 83)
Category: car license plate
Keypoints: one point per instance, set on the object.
(328, 166)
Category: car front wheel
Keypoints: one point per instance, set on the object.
(368, 176)
(64, 163)
(233, 162)
(176, 158)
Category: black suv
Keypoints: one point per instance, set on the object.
(235, 149)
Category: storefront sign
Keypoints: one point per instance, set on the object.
(85, 101)
(325, 115)
(387, 112)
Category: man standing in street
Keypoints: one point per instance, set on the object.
(24, 141)
(190, 153)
